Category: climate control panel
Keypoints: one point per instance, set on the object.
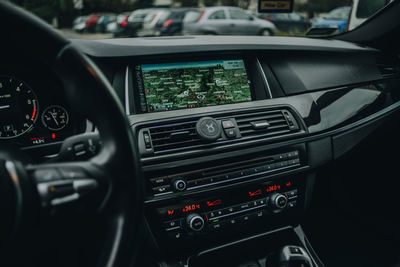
(190, 219)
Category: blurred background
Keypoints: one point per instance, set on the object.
(99, 19)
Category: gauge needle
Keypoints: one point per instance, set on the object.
(3, 107)
(54, 117)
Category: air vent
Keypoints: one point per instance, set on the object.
(176, 136)
(388, 68)
(167, 138)
(266, 123)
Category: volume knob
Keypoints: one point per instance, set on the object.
(179, 185)
(195, 222)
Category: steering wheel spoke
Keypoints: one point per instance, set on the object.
(60, 184)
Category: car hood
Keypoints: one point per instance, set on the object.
(327, 22)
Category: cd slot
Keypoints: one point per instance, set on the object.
(235, 166)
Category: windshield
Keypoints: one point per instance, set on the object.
(93, 19)
(338, 14)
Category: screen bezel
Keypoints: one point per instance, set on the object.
(137, 93)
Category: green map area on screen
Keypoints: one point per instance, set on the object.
(173, 86)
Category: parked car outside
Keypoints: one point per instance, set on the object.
(93, 20)
(79, 23)
(287, 22)
(225, 21)
(171, 24)
(117, 27)
(151, 20)
(337, 18)
(104, 20)
(136, 19)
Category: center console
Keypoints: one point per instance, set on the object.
(190, 206)
(220, 174)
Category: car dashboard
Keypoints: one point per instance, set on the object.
(231, 130)
(310, 102)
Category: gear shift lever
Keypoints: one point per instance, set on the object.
(294, 256)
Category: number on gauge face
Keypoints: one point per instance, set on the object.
(55, 118)
(19, 107)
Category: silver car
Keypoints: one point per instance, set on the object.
(225, 21)
(151, 20)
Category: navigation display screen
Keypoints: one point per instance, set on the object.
(171, 86)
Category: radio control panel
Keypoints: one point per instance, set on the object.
(203, 178)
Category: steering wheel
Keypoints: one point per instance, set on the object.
(110, 180)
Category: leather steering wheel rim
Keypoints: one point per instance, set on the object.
(89, 92)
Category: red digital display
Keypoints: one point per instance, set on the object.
(288, 184)
(36, 138)
(274, 187)
(255, 193)
(171, 212)
(214, 202)
(189, 208)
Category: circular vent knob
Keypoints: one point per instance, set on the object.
(208, 129)
(195, 222)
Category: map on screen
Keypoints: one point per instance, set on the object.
(172, 86)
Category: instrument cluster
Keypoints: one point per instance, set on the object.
(33, 110)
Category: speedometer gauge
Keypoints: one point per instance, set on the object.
(19, 107)
(55, 118)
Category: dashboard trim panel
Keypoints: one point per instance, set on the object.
(189, 44)
(265, 80)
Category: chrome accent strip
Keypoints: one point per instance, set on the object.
(173, 228)
(127, 106)
(162, 194)
(264, 77)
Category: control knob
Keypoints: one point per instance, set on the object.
(179, 185)
(195, 222)
(277, 201)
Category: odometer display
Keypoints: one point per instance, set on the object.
(19, 107)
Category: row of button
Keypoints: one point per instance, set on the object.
(177, 233)
(232, 221)
(216, 226)
(248, 205)
(293, 155)
(288, 155)
(246, 212)
(236, 209)
(291, 194)
(288, 159)
(243, 173)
